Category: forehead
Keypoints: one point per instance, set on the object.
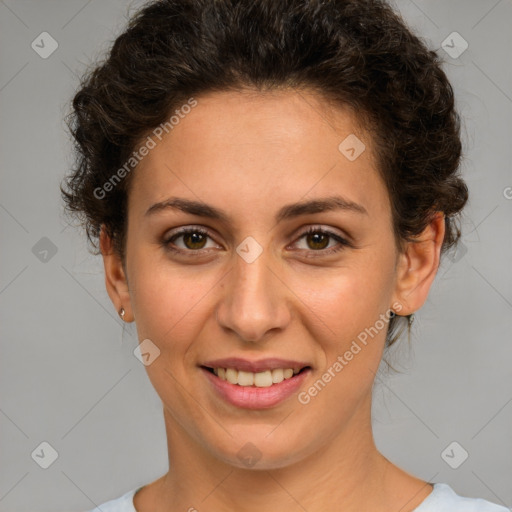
(289, 116)
(279, 146)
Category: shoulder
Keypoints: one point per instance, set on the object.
(122, 504)
(444, 499)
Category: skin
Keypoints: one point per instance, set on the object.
(249, 154)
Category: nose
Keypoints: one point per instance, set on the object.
(255, 301)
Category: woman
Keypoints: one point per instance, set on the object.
(271, 186)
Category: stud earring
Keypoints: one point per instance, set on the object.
(122, 313)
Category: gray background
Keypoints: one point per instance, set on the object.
(68, 373)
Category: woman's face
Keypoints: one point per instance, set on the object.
(251, 284)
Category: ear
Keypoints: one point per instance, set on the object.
(417, 266)
(115, 277)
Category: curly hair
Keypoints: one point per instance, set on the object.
(356, 53)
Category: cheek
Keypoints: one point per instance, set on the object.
(346, 312)
(347, 299)
(166, 304)
(167, 300)
(154, 302)
(346, 315)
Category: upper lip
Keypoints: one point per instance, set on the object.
(261, 365)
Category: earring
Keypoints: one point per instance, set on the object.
(411, 319)
(122, 313)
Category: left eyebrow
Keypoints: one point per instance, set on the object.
(286, 212)
(318, 206)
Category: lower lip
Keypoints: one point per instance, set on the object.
(252, 397)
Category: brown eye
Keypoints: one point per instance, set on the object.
(317, 240)
(193, 239)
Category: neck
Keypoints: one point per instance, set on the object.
(346, 473)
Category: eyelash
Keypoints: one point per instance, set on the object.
(342, 242)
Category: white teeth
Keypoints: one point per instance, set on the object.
(288, 372)
(261, 379)
(232, 375)
(245, 378)
(277, 375)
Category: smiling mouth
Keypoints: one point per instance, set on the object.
(262, 379)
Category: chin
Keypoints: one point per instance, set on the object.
(259, 451)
